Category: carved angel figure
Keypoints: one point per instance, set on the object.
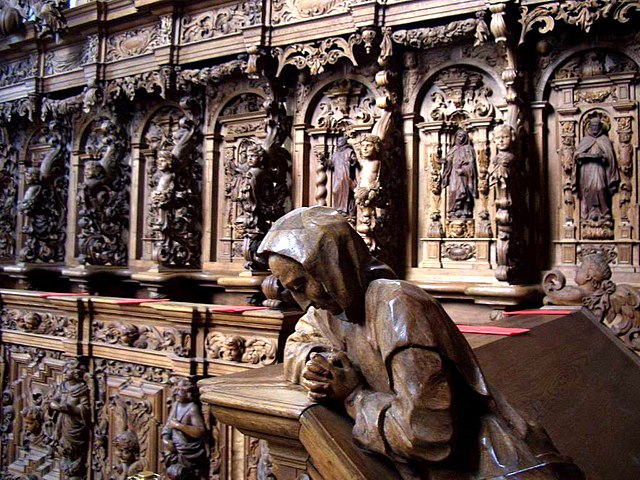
(183, 435)
(389, 353)
(501, 162)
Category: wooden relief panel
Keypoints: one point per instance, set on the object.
(171, 200)
(8, 193)
(592, 154)
(43, 203)
(103, 194)
(242, 129)
(459, 186)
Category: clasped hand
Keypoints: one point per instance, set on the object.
(329, 377)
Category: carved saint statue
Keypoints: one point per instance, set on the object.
(162, 194)
(597, 177)
(389, 353)
(72, 409)
(461, 176)
(343, 163)
(184, 435)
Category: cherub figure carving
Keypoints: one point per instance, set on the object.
(127, 453)
(387, 351)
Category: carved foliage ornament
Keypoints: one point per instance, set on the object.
(60, 61)
(582, 14)
(426, 38)
(23, 107)
(135, 42)
(127, 86)
(316, 55)
(235, 348)
(14, 72)
(43, 323)
(461, 93)
(8, 194)
(103, 196)
(144, 337)
(285, 11)
(220, 21)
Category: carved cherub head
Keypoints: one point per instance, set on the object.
(503, 136)
(32, 420)
(127, 447)
(30, 321)
(370, 146)
(594, 270)
(93, 170)
(164, 162)
(232, 348)
(255, 156)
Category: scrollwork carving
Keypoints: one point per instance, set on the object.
(151, 82)
(426, 38)
(133, 43)
(286, 11)
(23, 107)
(459, 252)
(581, 13)
(626, 158)
(8, 194)
(103, 196)
(462, 93)
(220, 21)
(143, 337)
(90, 50)
(44, 203)
(210, 75)
(316, 55)
(14, 72)
(43, 323)
(61, 61)
(235, 348)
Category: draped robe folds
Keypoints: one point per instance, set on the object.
(191, 452)
(597, 177)
(423, 402)
(342, 185)
(461, 177)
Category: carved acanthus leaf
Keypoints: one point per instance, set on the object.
(23, 107)
(429, 37)
(220, 21)
(149, 81)
(145, 337)
(43, 323)
(211, 75)
(286, 11)
(581, 13)
(134, 42)
(316, 55)
(126, 370)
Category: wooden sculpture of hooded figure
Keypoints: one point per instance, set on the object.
(389, 353)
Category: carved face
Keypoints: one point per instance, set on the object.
(502, 137)
(461, 137)
(31, 321)
(625, 137)
(367, 149)
(71, 372)
(232, 349)
(32, 418)
(306, 290)
(165, 161)
(93, 170)
(127, 447)
(254, 157)
(182, 391)
(595, 127)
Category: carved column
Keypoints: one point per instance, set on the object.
(566, 152)
(432, 132)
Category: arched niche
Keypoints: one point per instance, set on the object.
(339, 112)
(103, 183)
(592, 84)
(168, 181)
(239, 126)
(44, 184)
(456, 206)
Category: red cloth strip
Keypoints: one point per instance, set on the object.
(487, 330)
(234, 308)
(53, 294)
(539, 312)
(134, 301)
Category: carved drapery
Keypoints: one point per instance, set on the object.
(43, 205)
(103, 195)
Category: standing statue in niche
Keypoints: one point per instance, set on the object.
(461, 176)
(596, 180)
(367, 194)
(28, 204)
(343, 163)
(162, 194)
(183, 435)
(72, 410)
(389, 353)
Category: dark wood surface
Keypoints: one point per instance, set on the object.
(575, 378)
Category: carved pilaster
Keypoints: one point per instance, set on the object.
(626, 159)
(566, 154)
(8, 194)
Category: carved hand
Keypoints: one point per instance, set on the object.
(329, 377)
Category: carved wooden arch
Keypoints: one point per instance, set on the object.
(226, 100)
(543, 89)
(316, 92)
(137, 137)
(416, 101)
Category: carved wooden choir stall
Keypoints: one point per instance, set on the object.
(485, 150)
